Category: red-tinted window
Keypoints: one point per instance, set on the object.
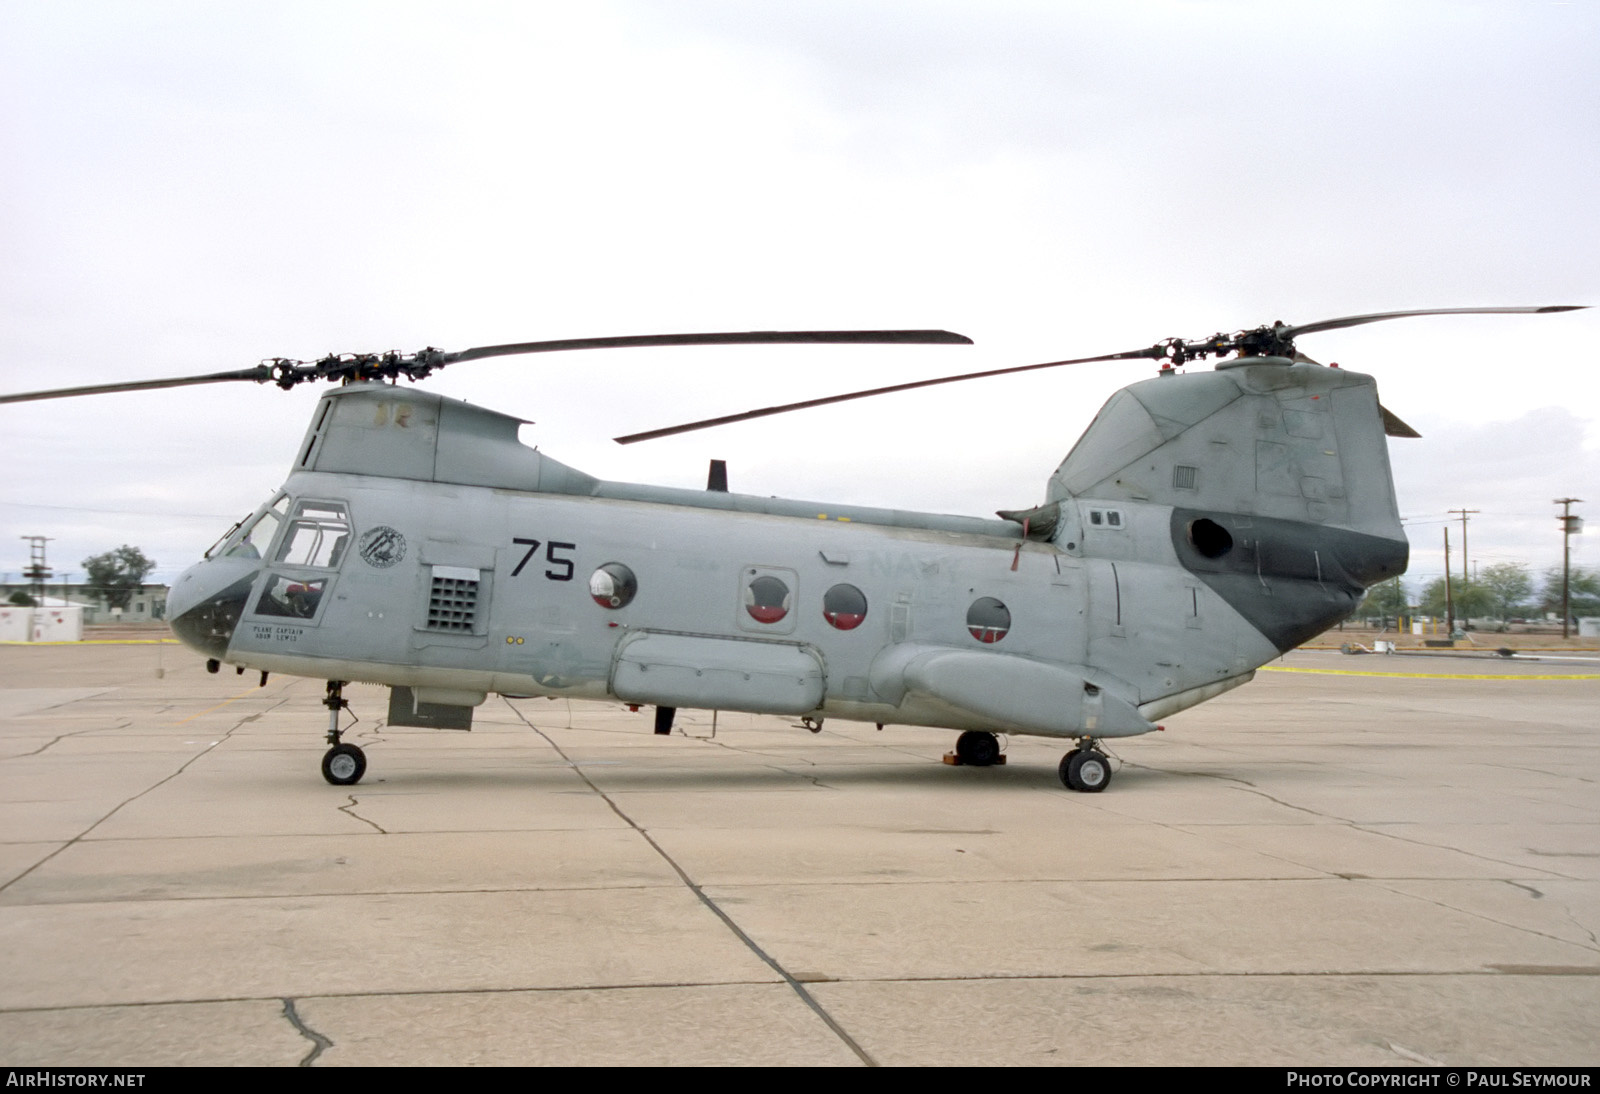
(844, 606)
(988, 620)
(766, 599)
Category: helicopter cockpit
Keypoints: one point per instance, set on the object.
(311, 538)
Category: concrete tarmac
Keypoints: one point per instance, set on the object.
(1317, 868)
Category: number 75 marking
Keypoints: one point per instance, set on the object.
(551, 548)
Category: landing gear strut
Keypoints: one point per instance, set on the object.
(342, 764)
(1086, 769)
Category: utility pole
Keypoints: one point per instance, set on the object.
(1449, 601)
(1463, 513)
(1570, 525)
(37, 572)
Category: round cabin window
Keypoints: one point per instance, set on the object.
(988, 620)
(613, 585)
(844, 607)
(766, 599)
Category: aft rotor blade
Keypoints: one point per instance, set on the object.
(735, 338)
(1393, 426)
(632, 438)
(1378, 317)
(260, 374)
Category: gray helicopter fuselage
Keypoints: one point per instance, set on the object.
(1204, 523)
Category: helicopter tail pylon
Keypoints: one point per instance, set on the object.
(1276, 476)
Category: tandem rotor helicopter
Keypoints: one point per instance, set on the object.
(1204, 523)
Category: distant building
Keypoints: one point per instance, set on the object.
(148, 605)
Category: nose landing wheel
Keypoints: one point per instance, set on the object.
(343, 765)
(1086, 769)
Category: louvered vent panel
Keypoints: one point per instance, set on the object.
(452, 604)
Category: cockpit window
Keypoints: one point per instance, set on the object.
(317, 536)
(216, 547)
(258, 529)
(291, 597)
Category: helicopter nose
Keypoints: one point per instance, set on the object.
(207, 600)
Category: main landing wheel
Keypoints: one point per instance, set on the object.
(343, 765)
(1086, 770)
(975, 748)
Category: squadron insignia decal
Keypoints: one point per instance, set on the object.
(382, 547)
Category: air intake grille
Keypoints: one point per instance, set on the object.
(452, 604)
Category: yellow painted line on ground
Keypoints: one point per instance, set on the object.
(219, 706)
(101, 642)
(1439, 675)
(1446, 650)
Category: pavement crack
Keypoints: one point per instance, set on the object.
(1248, 788)
(318, 1041)
(62, 737)
(716, 909)
(1434, 846)
(1366, 828)
(114, 810)
(1567, 909)
(348, 809)
(1232, 781)
(778, 767)
(1491, 919)
(804, 776)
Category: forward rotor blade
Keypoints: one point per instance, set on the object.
(389, 366)
(1378, 317)
(260, 374)
(756, 337)
(633, 438)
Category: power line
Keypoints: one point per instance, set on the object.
(117, 512)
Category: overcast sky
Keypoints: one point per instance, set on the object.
(191, 187)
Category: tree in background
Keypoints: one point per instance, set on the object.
(1508, 586)
(117, 575)
(1470, 598)
(1583, 591)
(1432, 600)
(1387, 600)
(21, 600)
